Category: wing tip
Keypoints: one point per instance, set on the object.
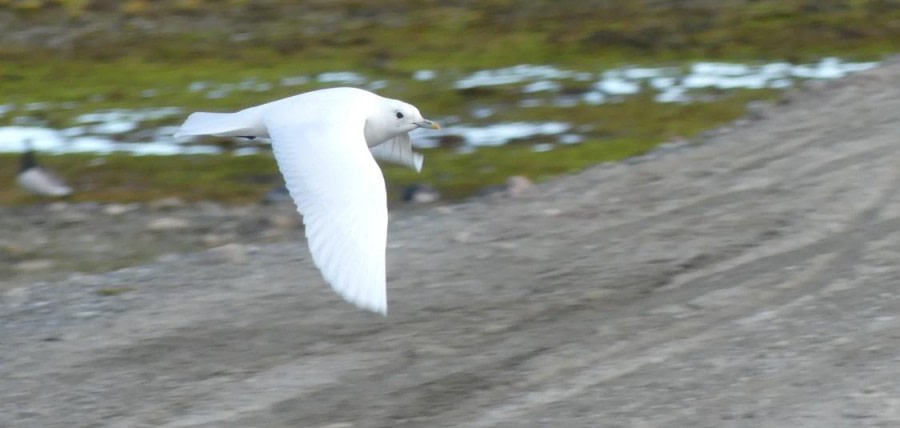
(418, 160)
(379, 307)
(372, 299)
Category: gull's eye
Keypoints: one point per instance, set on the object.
(399, 115)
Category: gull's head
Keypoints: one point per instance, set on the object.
(406, 117)
(394, 118)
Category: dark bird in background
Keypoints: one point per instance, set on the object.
(420, 193)
(39, 181)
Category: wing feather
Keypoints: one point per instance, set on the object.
(339, 190)
(398, 150)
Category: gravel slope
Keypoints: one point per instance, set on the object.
(748, 282)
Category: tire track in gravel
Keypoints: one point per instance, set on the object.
(684, 337)
(727, 197)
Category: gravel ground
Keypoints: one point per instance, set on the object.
(746, 282)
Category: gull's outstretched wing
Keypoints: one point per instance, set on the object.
(339, 190)
(398, 150)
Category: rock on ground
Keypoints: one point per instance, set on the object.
(747, 282)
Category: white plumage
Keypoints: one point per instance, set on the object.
(324, 142)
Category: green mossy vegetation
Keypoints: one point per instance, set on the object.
(116, 51)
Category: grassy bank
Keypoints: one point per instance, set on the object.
(621, 130)
(85, 56)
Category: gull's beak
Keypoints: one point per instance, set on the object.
(428, 124)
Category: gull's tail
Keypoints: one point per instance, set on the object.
(245, 123)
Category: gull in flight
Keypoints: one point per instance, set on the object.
(325, 143)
